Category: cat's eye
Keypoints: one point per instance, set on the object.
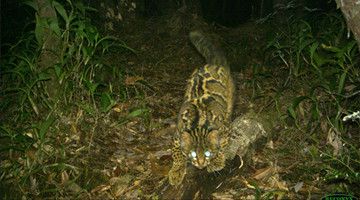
(193, 154)
(207, 154)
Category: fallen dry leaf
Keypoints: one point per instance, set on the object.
(33, 184)
(152, 157)
(324, 125)
(114, 180)
(131, 80)
(334, 140)
(121, 106)
(159, 170)
(159, 167)
(74, 188)
(73, 128)
(248, 185)
(51, 177)
(79, 114)
(166, 131)
(222, 196)
(263, 173)
(31, 154)
(64, 178)
(120, 191)
(298, 186)
(100, 188)
(279, 184)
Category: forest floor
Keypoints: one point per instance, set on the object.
(139, 158)
(125, 153)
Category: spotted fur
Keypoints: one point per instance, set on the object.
(203, 122)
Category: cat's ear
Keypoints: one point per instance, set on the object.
(217, 138)
(213, 137)
(185, 139)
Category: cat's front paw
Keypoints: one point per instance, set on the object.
(176, 175)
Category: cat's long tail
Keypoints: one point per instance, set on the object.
(212, 54)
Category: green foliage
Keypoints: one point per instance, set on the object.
(143, 113)
(256, 79)
(325, 60)
(81, 49)
(340, 168)
(257, 190)
(30, 110)
(325, 56)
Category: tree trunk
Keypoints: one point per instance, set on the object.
(52, 46)
(351, 12)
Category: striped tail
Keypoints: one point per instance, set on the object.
(213, 55)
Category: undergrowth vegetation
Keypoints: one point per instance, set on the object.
(56, 68)
(322, 63)
(59, 93)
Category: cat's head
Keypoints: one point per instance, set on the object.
(201, 146)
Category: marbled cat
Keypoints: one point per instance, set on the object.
(203, 124)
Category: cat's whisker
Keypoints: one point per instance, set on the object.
(215, 172)
(219, 173)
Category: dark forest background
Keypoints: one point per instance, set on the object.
(90, 92)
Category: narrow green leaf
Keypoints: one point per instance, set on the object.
(5, 131)
(13, 147)
(107, 45)
(332, 84)
(318, 61)
(57, 70)
(54, 26)
(331, 48)
(315, 113)
(47, 4)
(105, 101)
(298, 100)
(341, 83)
(279, 93)
(145, 83)
(88, 108)
(44, 126)
(88, 84)
(84, 51)
(43, 21)
(267, 75)
(32, 4)
(91, 87)
(292, 112)
(94, 86)
(156, 126)
(350, 46)
(39, 33)
(69, 85)
(304, 44)
(312, 89)
(257, 189)
(42, 76)
(69, 1)
(60, 9)
(33, 105)
(80, 7)
(313, 49)
(71, 50)
(136, 113)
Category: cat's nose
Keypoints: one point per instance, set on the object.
(201, 163)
